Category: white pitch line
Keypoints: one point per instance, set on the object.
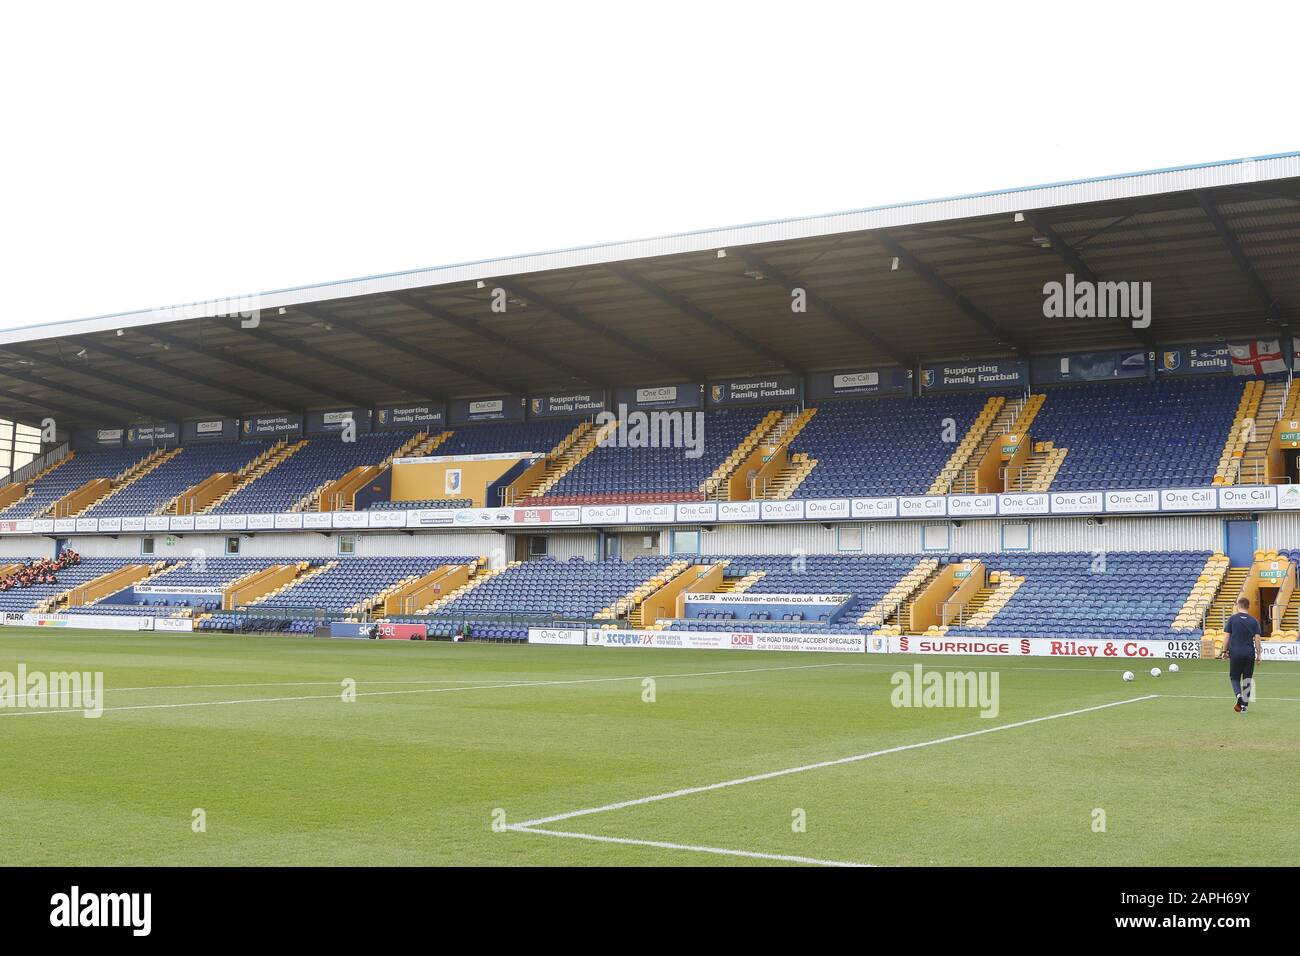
(323, 683)
(772, 774)
(1223, 697)
(423, 690)
(659, 844)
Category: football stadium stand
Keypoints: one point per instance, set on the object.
(343, 584)
(923, 451)
(882, 447)
(672, 472)
(72, 474)
(577, 590)
(43, 596)
(152, 491)
(500, 438)
(320, 461)
(1137, 434)
(1100, 436)
(1086, 595)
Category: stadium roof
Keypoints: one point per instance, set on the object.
(946, 279)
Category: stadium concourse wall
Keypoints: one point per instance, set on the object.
(177, 547)
(1182, 533)
(988, 536)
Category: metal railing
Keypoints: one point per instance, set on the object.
(957, 619)
(1213, 623)
(971, 487)
(759, 487)
(886, 612)
(1254, 475)
(36, 464)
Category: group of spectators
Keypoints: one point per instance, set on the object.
(43, 571)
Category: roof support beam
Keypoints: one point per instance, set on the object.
(130, 384)
(936, 282)
(257, 368)
(834, 313)
(185, 375)
(496, 338)
(416, 389)
(670, 365)
(98, 398)
(44, 407)
(693, 311)
(1075, 261)
(405, 348)
(1266, 299)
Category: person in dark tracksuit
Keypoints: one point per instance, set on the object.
(1242, 648)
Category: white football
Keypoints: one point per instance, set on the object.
(1128, 675)
(1155, 672)
(1173, 668)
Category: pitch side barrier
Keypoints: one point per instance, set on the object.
(742, 640)
(98, 622)
(1151, 501)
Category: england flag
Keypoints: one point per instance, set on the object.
(1257, 358)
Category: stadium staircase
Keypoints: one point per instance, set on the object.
(197, 497)
(664, 605)
(980, 611)
(1241, 432)
(561, 460)
(1194, 612)
(738, 585)
(884, 614)
(717, 486)
(231, 482)
(301, 572)
(411, 593)
(947, 589)
(629, 605)
(480, 576)
(1221, 608)
(982, 470)
(1272, 437)
(15, 493)
(96, 489)
(103, 586)
(1290, 629)
(152, 463)
(257, 584)
(992, 418)
(339, 494)
(985, 470)
(783, 472)
(721, 584)
(374, 604)
(1271, 578)
(1039, 471)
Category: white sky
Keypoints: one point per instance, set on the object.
(160, 153)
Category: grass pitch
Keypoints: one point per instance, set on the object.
(444, 742)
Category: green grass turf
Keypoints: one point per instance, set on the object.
(414, 777)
